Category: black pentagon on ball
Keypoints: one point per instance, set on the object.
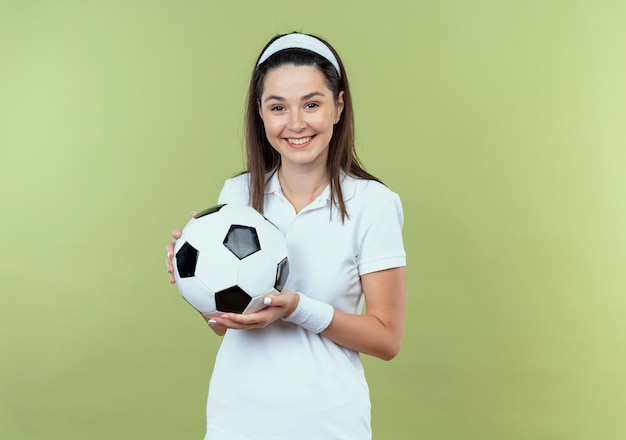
(282, 274)
(242, 241)
(232, 300)
(186, 260)
(208, 211)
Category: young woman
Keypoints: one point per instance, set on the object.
(292, 371)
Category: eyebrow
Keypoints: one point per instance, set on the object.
(304, 98)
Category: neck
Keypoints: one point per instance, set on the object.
(301, 187)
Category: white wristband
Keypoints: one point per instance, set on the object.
(311, 314)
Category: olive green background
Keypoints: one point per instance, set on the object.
(502, 125)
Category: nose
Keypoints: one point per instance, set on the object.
(296, 121)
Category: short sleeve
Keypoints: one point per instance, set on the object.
(235, 190)
(382, 245)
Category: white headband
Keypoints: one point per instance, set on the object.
(300, 41)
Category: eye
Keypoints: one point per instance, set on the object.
(311, 105)
(277, 108)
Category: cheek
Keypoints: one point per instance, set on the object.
(273, 134)
(327, 123)
(270, 129)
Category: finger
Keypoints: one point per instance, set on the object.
(276, 300)
(236, 318)
(284, 302)
(193, 214)
(170, 270)
(176, 233)
(221, 322)
(240, 321)
(169, 253)
(219, 330)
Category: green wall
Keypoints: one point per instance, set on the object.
(502, 124)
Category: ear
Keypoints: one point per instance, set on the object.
(340, 105)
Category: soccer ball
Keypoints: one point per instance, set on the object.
(228, 258)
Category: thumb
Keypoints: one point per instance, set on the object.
(287, 300)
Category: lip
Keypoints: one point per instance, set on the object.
(300, 139)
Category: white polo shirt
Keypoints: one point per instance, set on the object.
(283, 382)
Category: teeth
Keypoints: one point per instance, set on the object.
(299, 141)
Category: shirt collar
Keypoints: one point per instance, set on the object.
(273, 186)
(348, 185)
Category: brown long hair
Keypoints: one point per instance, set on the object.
(261, 156)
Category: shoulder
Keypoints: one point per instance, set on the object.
(235, 190)
(370, 201)
(367, 191)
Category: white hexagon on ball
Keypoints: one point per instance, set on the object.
(197, 294)
(195, 232)
(257, 274)
(241, 215)
(272, 241)
(217, 268)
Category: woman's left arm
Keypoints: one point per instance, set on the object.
(379, 332)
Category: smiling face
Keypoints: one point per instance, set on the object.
(299, 112)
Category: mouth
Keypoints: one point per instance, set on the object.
(299, 142)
